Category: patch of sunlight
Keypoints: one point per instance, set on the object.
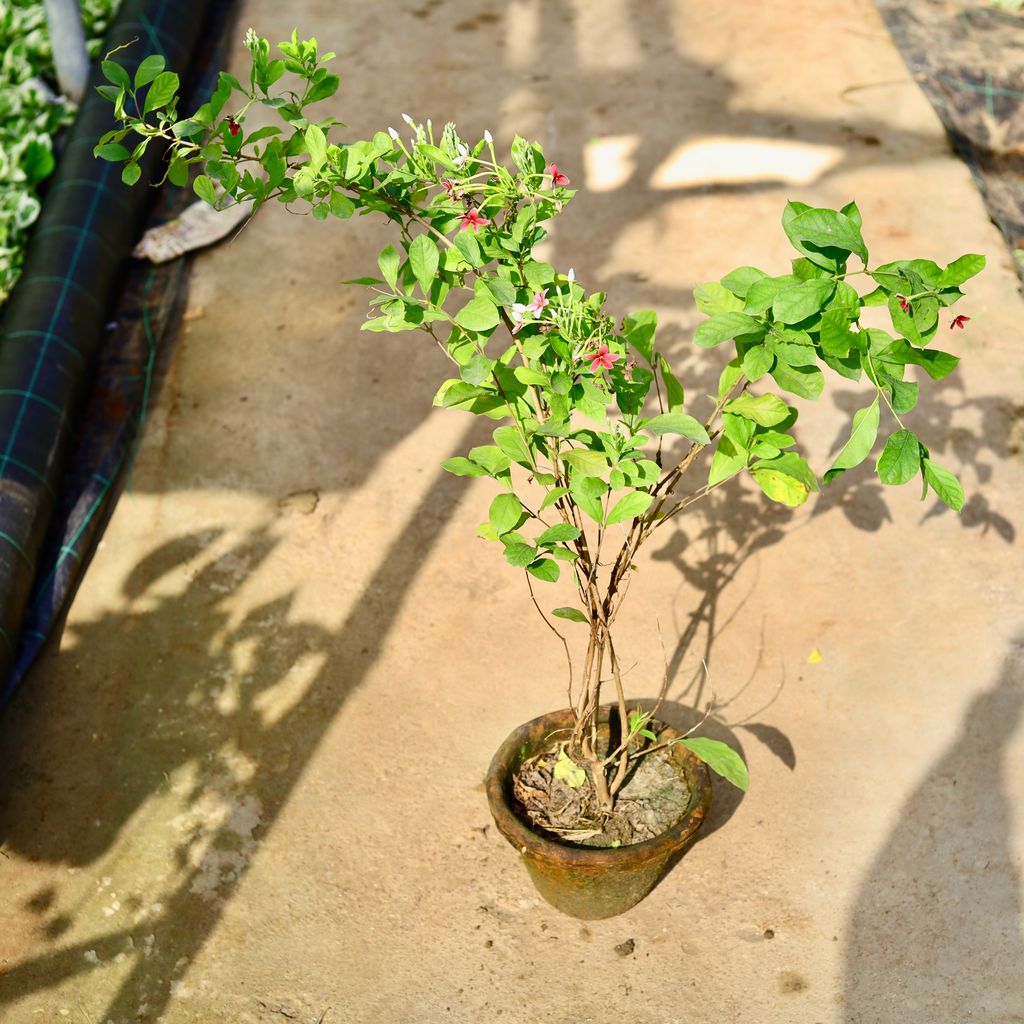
(273, 703)
(720, 161)
(605, 35)
(608, 162)
(522, 30)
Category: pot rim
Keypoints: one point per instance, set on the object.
(527, 841)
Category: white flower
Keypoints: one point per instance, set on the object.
(393, 133)
(408, 120)
(463, 155)
(488, 138)
(571, 275)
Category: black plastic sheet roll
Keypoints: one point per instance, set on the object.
(53, 325)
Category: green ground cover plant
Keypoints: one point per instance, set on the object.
(31, 115)
(586, 406)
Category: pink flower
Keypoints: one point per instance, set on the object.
(557, 177)
(904, 302)
(536, 307)
(959, 321)
(449, 186)
(602, 359)
(517, 316)
(472, 219)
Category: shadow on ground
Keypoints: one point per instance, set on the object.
(938, 920)
(217, 710)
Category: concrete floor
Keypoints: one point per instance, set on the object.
(248, 788)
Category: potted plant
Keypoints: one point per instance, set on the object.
(586, 409)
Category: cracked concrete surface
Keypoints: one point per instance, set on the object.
(248, 788)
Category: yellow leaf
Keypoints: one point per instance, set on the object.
(814, 658)
(568, 771)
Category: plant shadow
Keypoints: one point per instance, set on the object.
(195, 709)
(936, 929)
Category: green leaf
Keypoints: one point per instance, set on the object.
(505, 513)
(148, 70)
(315, 143)
(762, 292)
(862, 440)
(721, 759)
(131, 173)
(800, 301)
(111, 151)
(767, 410)
(714, 298)
(162, 91)
(629, 506)
(545, 569)
(676, 423)
(177, 173)
(639, 328)
(827, 229)
(943, 483)
(805, 381)
(572, 614)
(501, 291)
(740, 280)
(900, 459)
(341, 206)
(552, 496)
(724, 326)
(757, 361)
(834, 333)
(423, 258)
(203, 187)
(937, 365)
(113, 72)
(388, 263)
(673, 389)
(728, 460)
(467, 244)
(960, 270)
(463, 467)
(559, 533)
(520, 555)
(492, 458)
(585, 462)
(326, 87)
(528, 376)
(511, 442)
(479, 314)
(587, 492)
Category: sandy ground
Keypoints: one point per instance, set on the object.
(248, 788)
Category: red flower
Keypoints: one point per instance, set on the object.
(959, 321)
(602, 359)
(472, 219)
(904, 302)
(233, 126)
(557, 177)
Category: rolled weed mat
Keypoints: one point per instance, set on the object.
(968, 58)
(54, 322)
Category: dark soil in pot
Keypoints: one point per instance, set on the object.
(589, 881)
(654, 797)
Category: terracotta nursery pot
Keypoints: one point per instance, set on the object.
(589, 882)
